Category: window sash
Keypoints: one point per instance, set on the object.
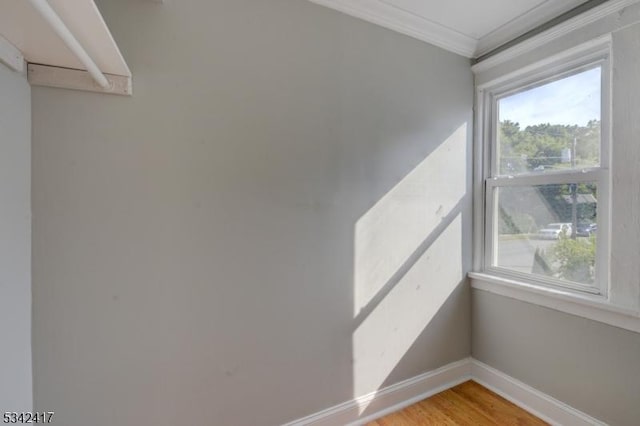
(531, 79)
(491, 225)
(578, 176)
(600, 175)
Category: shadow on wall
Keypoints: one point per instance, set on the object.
(408, 263)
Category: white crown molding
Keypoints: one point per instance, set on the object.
(11, 56)
(568, 26)
(67, 78)
(537, 16)
(393, 18)
(385, 14)
(405, 393)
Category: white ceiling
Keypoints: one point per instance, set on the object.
(467, 27)
(27, 30)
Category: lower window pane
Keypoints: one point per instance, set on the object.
(548, 230)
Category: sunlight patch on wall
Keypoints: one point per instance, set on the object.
(391, 231)
(389, 331)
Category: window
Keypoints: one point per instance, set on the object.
(556, 177)
(546, 176)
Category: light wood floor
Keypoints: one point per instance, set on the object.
(465, 404)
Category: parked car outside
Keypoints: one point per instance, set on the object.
(586, 229)
(554, 231)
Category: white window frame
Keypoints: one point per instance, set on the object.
(584, 57)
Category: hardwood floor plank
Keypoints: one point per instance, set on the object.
(468, 404)
(429, 414)
(458, 409)
(500, 410)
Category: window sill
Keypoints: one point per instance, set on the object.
(585, 306)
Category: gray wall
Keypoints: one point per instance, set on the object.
(586, 364)
(15, 242)
(199, 248)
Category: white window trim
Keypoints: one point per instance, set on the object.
(595, 305)
(599, 175)
(581, 305)
(567, 63)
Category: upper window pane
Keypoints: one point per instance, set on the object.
(551, 127)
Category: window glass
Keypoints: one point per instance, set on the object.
(551, 127)
(548, 230)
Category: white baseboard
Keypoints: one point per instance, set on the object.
(400, 395)
(532, 400)
(392, 398)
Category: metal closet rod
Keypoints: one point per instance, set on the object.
(52, 18)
